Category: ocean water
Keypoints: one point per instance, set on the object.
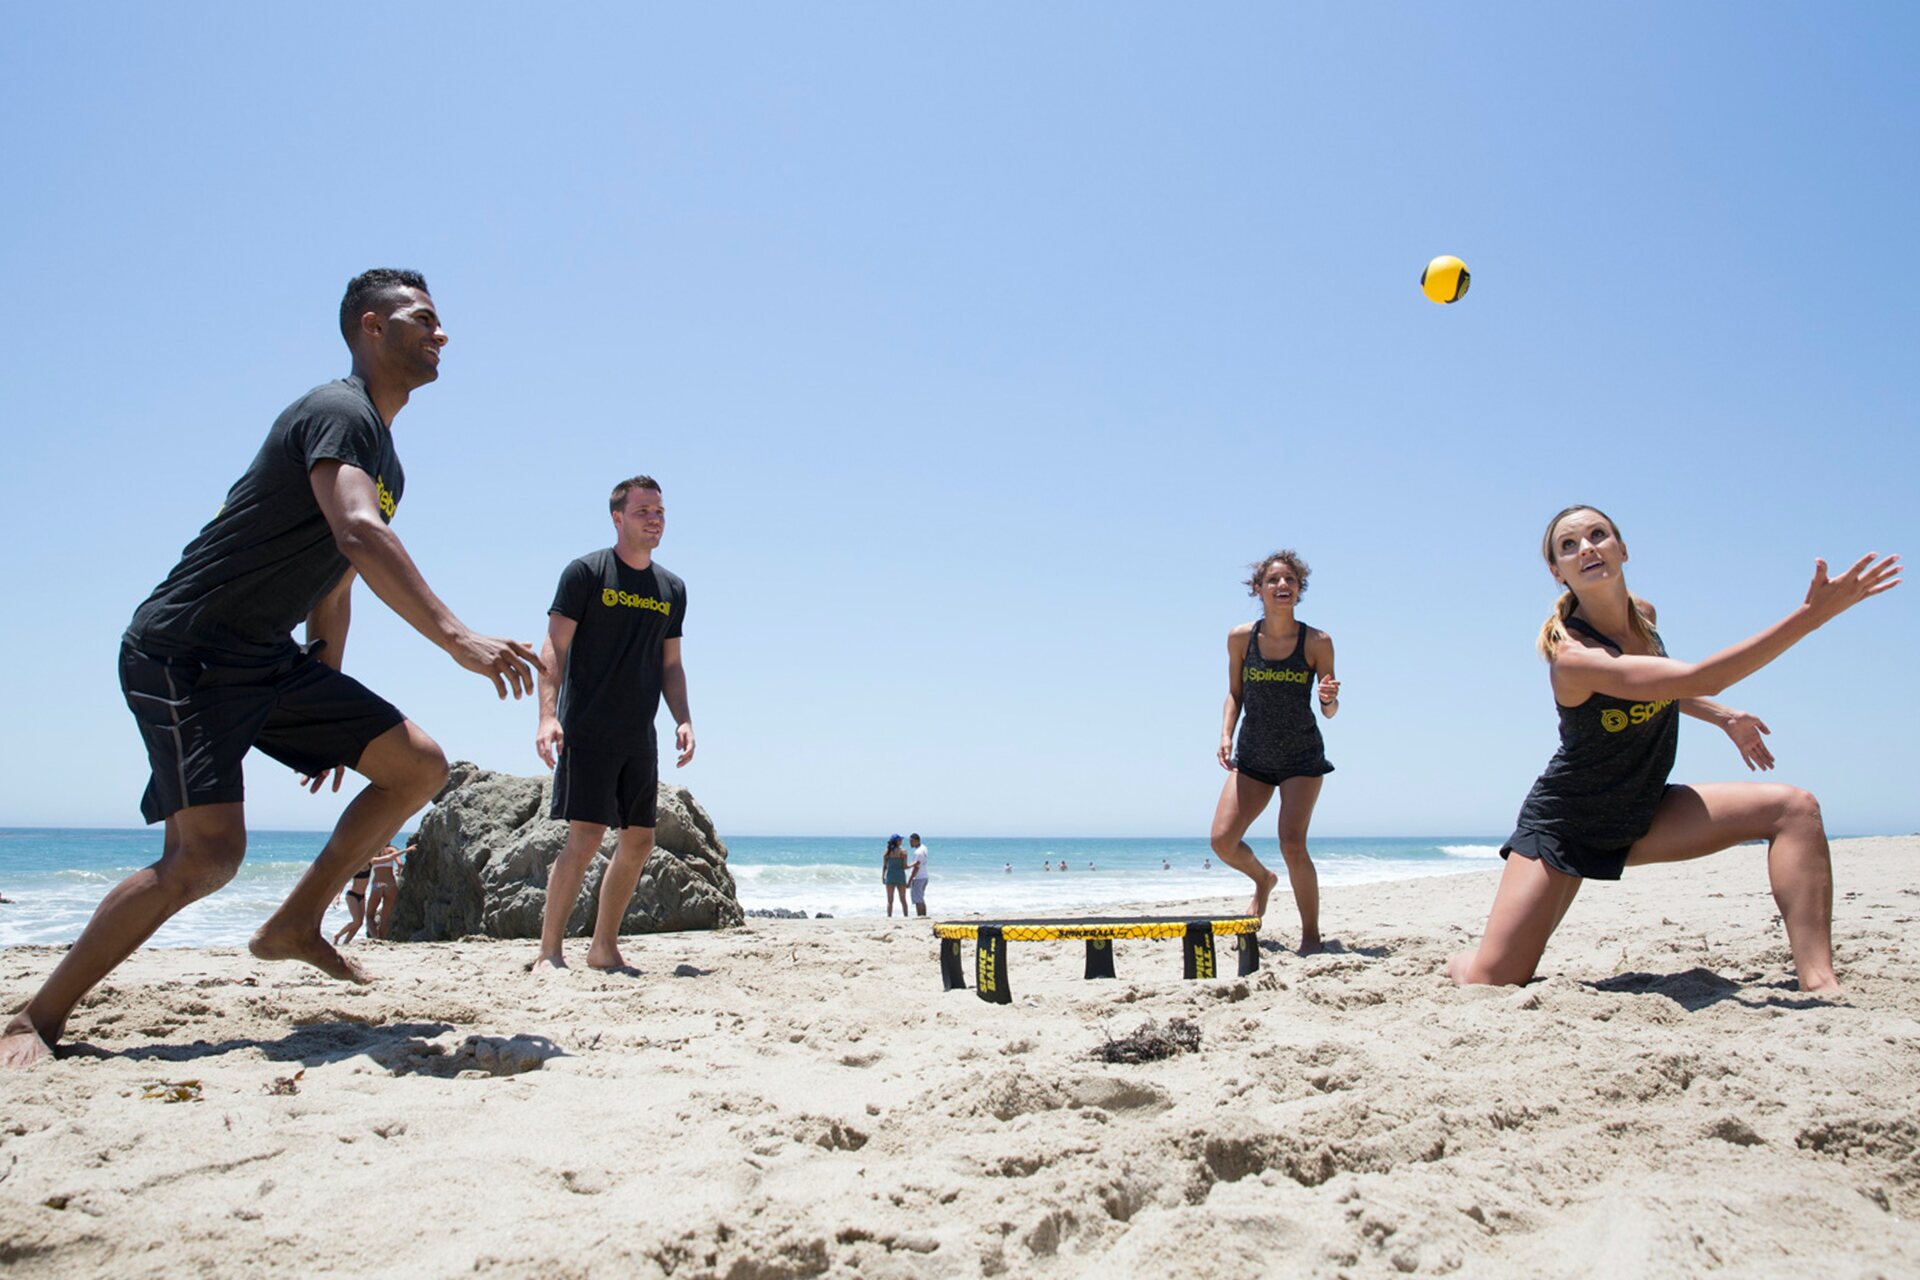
(56, 876)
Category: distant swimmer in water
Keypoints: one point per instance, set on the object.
(1063, 864)
(1604, 803)
(1009, 868)
(1164, 866)
(1277, 667)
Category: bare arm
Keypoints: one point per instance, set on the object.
(1237, 641)
(673, 687)
(1320, 658)
(328, 622)
(350, 503)
(548, 740)
(1579, 670)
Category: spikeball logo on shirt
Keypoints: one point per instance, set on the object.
(387, 504)
(1613, 720)
(1276, 677)
(611, 598)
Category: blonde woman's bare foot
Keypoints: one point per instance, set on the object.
(547, 964)
(1310, 945)
(21, 1044)
(310, 948)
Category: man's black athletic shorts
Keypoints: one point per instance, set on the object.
(611, 790)
(198, 720)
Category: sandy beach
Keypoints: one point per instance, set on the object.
(799, 1098)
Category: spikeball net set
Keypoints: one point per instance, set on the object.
(990, 939)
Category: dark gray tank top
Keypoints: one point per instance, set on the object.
(1605, 781)
(1277, 731)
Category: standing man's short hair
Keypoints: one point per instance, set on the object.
(620, 491)
(368, 290)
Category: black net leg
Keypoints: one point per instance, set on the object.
(990, 966)
(1197, 950)
(1249, 944)
(952, 976)
(1099, 958)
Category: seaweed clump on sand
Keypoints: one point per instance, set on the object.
(1151, 1042)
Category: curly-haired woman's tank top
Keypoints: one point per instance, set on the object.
(1278, 736)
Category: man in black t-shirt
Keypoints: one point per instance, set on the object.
(612, 651)
(210, 668)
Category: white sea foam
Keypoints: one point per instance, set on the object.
(1470, 850)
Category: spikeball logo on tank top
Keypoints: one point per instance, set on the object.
(1614, 720)
(1276, 677)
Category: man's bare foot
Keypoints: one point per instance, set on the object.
(21, 1044)
(1830, 987)
(1262, 889)
(309, 947)
(547, 964)
(1310, 945)
(607, 960)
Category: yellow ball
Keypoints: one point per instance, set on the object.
(1445, 279)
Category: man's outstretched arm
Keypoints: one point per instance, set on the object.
(351, 505)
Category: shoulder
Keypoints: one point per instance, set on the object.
(594, 563)
(1317, 637)
(1646, 607)
(1237, 637)
(670, 580)
(337, 399)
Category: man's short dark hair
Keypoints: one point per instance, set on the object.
(369, 290)
(619, 498)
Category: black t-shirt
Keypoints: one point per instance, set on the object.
(267, 557)
(611, 687)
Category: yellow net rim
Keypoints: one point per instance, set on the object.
(1072, 930)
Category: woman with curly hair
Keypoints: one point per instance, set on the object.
(1277, 668)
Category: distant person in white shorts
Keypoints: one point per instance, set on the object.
(917, 873)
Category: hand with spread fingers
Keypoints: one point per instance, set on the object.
(509, 664)
(1829, 597)
(1748, 734)
(313, 782)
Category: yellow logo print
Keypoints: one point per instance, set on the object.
(1613, 720)
(388, 504)
(1276, 677)
(612, 598)
(1202, 962)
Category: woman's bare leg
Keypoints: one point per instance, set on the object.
(1695, 821)
(1297, 797)
(1241, 801)
(1528, 906)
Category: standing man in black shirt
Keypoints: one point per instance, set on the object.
(210, 668)
(612, 650)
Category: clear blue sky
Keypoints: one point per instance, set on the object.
(978, 348)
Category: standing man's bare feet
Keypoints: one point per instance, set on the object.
(21, 1044)
(308, 947)
(1262, 890)
(1310, 945)
(547, 964)
(608, 959)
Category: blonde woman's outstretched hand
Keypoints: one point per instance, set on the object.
(1829, 597)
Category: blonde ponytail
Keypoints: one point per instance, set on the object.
(1553, 632)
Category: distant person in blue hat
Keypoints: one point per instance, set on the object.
(893, 874)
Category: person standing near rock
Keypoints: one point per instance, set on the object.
(917, 873)
(210, 668)
(612, 652)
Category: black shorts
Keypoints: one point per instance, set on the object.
(1274, 777)
(1571, 856)
(198, 720)
(607, 789)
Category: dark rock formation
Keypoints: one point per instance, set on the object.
(486, 844)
